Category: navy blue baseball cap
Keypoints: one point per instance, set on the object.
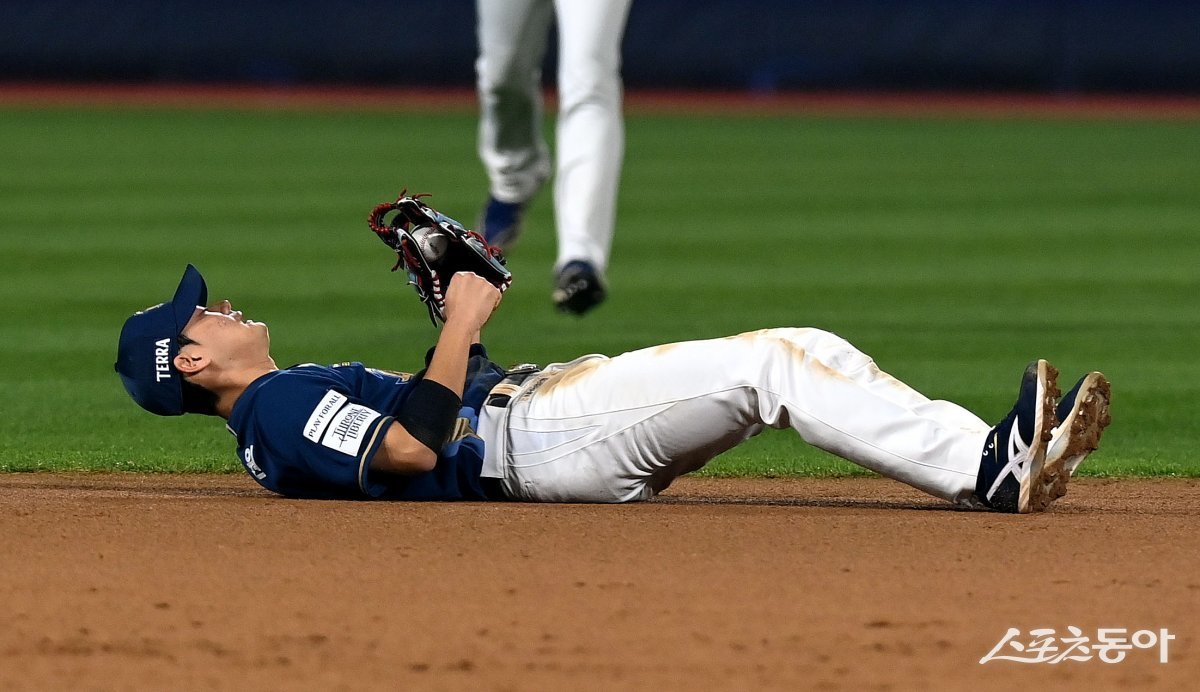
(149, 343)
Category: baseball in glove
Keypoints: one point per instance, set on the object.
(432, 247)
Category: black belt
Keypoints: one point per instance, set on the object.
(514, 377)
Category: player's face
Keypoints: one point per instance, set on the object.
(227, 332)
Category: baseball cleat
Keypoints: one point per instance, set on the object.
(1083, 416)
(1011, 466)
(500, 222)
(578, 288)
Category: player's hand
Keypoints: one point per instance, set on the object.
(470, 301)
(432, 247)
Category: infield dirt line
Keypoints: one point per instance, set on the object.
(422, 99)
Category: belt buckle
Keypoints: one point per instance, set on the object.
(503, 392)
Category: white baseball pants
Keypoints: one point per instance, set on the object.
(590, 137)
(621, 429)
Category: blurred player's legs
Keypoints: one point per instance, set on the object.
(620, 429)
(512, 43)
(590, 136)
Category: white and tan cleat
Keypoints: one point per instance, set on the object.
(1083, 416)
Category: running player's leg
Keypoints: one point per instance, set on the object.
(512, 42)
(590, 138)
(611, 430)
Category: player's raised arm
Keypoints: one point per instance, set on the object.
(429, 414)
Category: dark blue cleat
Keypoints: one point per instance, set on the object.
(500, 222)
(578, 288)
(1010, 468)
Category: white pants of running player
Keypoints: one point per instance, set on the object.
(590, 137)
(621, 429)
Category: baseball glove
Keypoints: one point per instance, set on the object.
(432, 247)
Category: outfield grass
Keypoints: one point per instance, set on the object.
(953, 251)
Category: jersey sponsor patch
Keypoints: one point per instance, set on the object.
(348, 427)
(323, 414)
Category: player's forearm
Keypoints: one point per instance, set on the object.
(427, 416)
(449, 364)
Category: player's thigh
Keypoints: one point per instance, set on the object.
(674, 372)
(621, 456)
(512, 38)
(590, 33)
(649, 414)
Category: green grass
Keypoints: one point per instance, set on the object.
(953, 251)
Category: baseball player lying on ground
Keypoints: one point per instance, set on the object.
(596, 429)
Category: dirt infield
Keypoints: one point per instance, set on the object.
(197, 582)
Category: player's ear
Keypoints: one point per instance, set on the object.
(190, 361)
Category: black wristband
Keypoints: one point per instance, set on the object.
(429, 413)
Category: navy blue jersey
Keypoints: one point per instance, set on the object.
(312, 430)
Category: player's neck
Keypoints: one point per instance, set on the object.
(228, 396)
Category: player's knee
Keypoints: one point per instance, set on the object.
(506, 77)
(789, 338)
(800, 344)
(579, 87)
